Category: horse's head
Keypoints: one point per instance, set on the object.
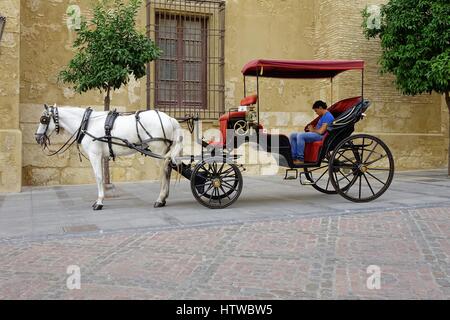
(49, 123)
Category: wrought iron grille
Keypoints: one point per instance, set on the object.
(189, 76)
(2, 26)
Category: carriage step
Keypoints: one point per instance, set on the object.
(305, 181)
(289, 176)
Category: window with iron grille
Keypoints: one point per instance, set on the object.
(189, 76)
(181, 71)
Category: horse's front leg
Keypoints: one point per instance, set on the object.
(165, 184)
(97, 166)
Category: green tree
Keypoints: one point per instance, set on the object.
(415, 42)
(108, 50)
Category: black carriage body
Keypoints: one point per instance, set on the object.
(279, 145)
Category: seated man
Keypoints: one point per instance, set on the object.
(298, 139)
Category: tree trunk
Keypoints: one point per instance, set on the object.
(106, 175)
(447, 100)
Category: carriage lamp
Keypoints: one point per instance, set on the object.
(2, 26)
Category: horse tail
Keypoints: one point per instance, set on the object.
(177, 146)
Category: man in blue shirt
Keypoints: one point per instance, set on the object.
(298, 139)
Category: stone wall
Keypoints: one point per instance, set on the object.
(254, 29)
(445, 125)
(413, 127)
(47, 39)
(268, 29)
(10, 135)
(37, 44)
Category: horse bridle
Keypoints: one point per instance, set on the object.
(43, 138)
(52, 113)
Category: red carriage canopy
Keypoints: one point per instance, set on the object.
(300, 69)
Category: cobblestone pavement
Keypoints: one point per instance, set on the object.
(278, 241)
(286, 258)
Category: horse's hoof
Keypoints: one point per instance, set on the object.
(97, 207)
(159, 204)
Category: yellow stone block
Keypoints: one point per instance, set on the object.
(33, 155)
(10, 160)
(41, 176)
(77, 176)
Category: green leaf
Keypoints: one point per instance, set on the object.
(415, 43)
(109, 48)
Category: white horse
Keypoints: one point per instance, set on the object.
(160, 132)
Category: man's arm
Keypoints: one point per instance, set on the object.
(321, 130)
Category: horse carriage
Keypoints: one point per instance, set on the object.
(359, 167)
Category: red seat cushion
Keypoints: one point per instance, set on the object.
(343, 105)
(248, 101)
(338, 108)
(312, 149)
(232, 115)
(223, 123)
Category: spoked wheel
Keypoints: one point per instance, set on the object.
(216, 184)
(320, 177)
(361, 168)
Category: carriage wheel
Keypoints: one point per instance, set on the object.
(216, 184)
(320, 178)
(361, 168)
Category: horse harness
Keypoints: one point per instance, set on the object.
(109, 125)
(142, 147)
(84, 125)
